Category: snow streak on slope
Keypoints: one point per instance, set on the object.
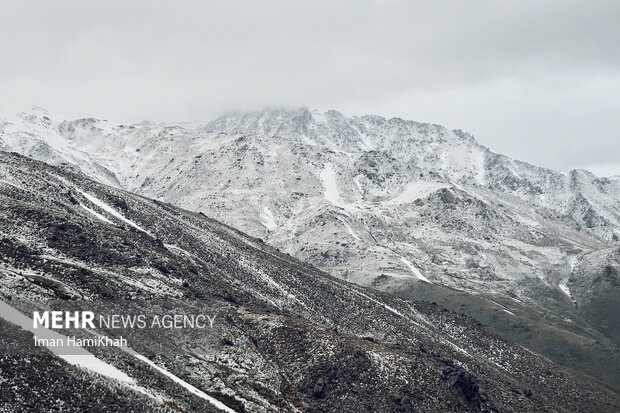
(96, 214)
(502, 307)
(564, 287)
(387, 307)
(353, 234)
(414, 270)
(184, 384)
(328, 177)
(111, 210)
(92, 363)
(88, 361)
(83, 358)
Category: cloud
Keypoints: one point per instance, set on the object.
(526, 78)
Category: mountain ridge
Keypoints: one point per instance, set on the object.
(418, 203)
(293, 338)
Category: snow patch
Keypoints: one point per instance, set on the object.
(387, 307)
(565, 289)
(328, 177)
(268, 220)
(92, 363)
(416, 190)
(502, 307)
(111, 210)
(96, 214)
(563, 285)
(215, 402)
(414, 270)
(84, 359)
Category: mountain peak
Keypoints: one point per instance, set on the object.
(337, 131)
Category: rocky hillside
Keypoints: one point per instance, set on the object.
(289, 337)
(387, 203)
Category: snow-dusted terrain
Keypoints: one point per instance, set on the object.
(387, 203)
(289, 337)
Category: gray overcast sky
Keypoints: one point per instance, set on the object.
(537, 80)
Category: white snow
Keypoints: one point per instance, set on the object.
(353, 234)
(479, 162)
(502, 307)
(416, 190)
(96, 214)
(309, 141)
(111, 210)
(319, 116)
(328, 177)
(271, 283)
(526, 220)
(414, 270)
(458, 348)
(84, 359)
(564, 287)
(468, 192)
(333, 186)
(513, 169)
(268, 220)
(92, 363)
(184, 384)
(264, 297)
(13, 184)
(358, 185)
(387, 307)
(177, 250)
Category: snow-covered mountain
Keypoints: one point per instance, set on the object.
(387, 203)
(289, 337)
(453, 154)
